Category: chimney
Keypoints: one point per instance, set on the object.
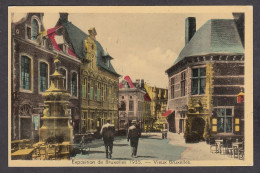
(190, 28)
(142, 83)
(64, 16)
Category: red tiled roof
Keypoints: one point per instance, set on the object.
(167, 113)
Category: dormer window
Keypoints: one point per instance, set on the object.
(106, 61)
(64, 47)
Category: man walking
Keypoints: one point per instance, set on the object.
(134, 133)
(108, 133)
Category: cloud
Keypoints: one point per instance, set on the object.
(149, 66)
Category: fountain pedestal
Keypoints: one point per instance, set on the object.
(55, 120)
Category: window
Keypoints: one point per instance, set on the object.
(74, 86)
(102, 93)
(84, 88)
(172, 88)
(105, 92)
(28, 31)
(131, 105)
(183, 83)
(64, 73)
(98, 91)
(108, 92)
(91, 92)
(122, 106)
(25, 73)
(35, 29)
(43, 76)
(84, 116)
(198, 81)
(224, 120)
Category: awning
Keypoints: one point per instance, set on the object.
(167, 113)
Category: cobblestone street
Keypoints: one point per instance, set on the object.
(152, 147)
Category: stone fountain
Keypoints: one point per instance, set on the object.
(55, 120)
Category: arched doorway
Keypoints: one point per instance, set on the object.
(25, 123)
(198, 126)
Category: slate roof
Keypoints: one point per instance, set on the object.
(77, 39)
(216, 36)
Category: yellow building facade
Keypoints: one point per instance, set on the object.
(99, 88)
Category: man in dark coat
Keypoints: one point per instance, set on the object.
(134, 133)
(108, 133)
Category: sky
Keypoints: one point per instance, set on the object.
(143, 45)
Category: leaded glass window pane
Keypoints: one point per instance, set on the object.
(43, 76)
(195, 86)
(35, 29)
(229, 124)
(224, 120)
(195, 72)
(221, 112)
(198, 81)
(221, 124)
(202, 85)
(202, 72)
(25, 73)
(228, 112)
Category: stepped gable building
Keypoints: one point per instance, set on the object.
(33, 50)
(206, 78)
(134, 103)
(99, 80)
(159, 97)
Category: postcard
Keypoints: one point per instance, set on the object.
(130, 86)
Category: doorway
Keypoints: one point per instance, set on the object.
(198, 126)
(181, 125)
(25, 128)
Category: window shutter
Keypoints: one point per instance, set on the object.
(237, 124)
(214, 124)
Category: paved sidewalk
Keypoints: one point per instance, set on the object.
(194, 151)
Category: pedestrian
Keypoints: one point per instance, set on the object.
(134, 133)
(108, 133)
(164, 131)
